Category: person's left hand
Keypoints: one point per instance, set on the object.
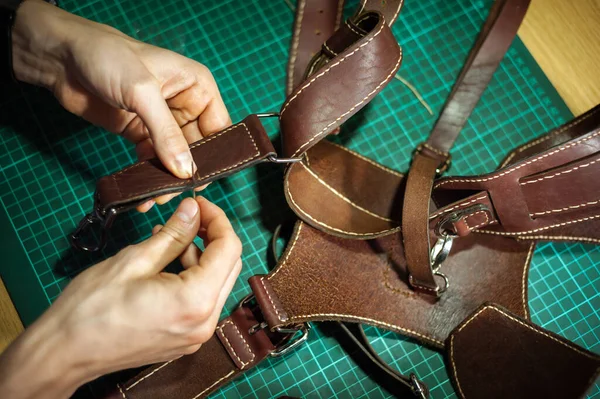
(157, 99)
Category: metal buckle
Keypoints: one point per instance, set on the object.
(442, 227)
(104, 218)
(290, 344)
(273, 158)
(416, 387)
(437, 256)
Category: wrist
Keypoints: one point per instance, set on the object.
(39, 43)
(42, 363)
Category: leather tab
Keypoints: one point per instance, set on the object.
(268, 302)
(218, 155)
(496, 354)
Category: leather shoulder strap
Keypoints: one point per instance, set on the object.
(496, 354)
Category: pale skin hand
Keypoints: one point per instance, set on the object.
(157, 99)
(125, 312)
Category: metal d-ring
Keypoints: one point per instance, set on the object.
(104, 219)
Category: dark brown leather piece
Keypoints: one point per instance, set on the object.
(218, 155)
(315, 21)
(512, 201)
(331, 95)
(581, 179)
(495, 37)
(581, 125)
(322, 277)
(230, 352)
(496, 354)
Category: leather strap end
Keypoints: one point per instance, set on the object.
(218, 155)
(489, 356)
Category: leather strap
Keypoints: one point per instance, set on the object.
(490, 356)
(220, 154)
(315, 21)
(235, 348)
(432, 158)
(410, 384)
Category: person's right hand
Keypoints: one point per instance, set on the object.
(126, 312)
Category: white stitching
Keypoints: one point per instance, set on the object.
(287, 187)
(502, 233)
(210, 387)
(344, 198)
(524, 279)
(329, 48)
(444, 211)
(397, 12)
(521, 165)
(121, 390)
(531, 328)
(487, 219)
(353, 29)
(454, 367)
(410, 332)
(262, 281)
(288, 102)
(148, 375)
(560, 173)
(378, 165)
(288, 254)
(546, 137)
(244, 364)
(373, 321)
(565, 238)
(294, 53)
(582, 205)
(183, 183)
(325, 129)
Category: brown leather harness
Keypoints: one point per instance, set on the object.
(362, 251)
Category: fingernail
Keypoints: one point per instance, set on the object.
(187, 210)
(183, 163)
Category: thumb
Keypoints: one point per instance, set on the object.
(174, 237)
(169, 142)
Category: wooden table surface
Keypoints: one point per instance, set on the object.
(564, 38)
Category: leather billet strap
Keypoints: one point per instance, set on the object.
(489, 356)
(495, 37)
(218, 155)
(331, 95)
(236, 347)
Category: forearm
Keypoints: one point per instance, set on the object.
(40, 364)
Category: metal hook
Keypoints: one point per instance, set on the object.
(104, 219)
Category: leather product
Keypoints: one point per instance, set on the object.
(485, 365)
(349, 259)
(218, 155)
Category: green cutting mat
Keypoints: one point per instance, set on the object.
(50, 160)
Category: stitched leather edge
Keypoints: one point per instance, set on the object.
(326, 128)
(295, 43)
(224, 335)
(503, 233)
(519, 166)
(560, 173)
(544, 138)
(148, 375)
(305, 85)
(343, 197)
(214, 384)
(568, 208)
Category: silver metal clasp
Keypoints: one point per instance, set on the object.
(104, 218)
(274, 158)
(298, 333)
